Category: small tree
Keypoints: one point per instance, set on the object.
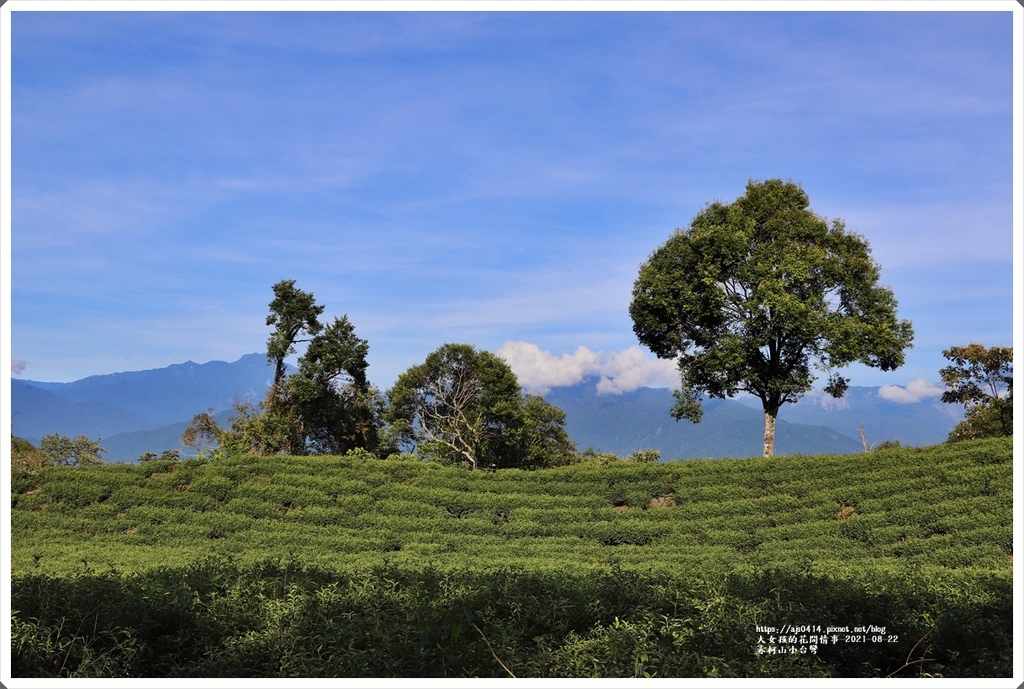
(443, 407)
(257, 430)
(203, 433)
(337, 409)
(25, 456)
(544, 441)
(981, 379)
(60, 450)
(755, 293)
(465, 405)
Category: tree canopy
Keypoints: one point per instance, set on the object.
(463, 405)
(61, 450)
(981, 379)
(756, 294)
(292, 312)
(326, 407)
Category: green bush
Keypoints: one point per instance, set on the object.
(77, 491)
(253, 508)
(23, 481)
(219, 488)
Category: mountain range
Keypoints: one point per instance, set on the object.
(137, 411)
(735, 427)
(146, 411)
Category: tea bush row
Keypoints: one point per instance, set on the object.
(276, 618)
(125, 503)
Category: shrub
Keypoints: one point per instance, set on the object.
(25, 457)
(77, 491)
(645, 456)
(60, 450)
(252, 508)
(219, 488)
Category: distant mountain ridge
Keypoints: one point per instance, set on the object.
(146, 411)
(735, 428)
(170, 394)
(137, 411)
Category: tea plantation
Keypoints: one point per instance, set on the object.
(896, 563)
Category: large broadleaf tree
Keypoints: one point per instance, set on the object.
(757, 295)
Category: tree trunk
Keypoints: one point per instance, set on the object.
(769, 431)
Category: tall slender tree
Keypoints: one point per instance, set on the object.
(293, 313)
(326, 407)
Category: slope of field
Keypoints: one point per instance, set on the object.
(349, 566)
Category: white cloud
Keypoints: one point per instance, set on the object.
(539, 371)
(18, 366)
(915, 391)
(617, 372)
(631, 369)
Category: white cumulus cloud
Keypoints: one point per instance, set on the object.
(18, 366)
(631, 369)
(617, 372)
(539, 371)
(915, 391)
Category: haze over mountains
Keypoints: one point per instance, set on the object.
(137, 411)
(146, 411)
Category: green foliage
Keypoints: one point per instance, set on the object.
(645, 456)
(219, 488)
(464, 406)
(293, 313)
(60, 450)
(255, 429)
(327, 407)
(350, 566)
(592, 456)
(26, 457)
(337, 408)
(543, 441)
(981, 379)
(280, 618)
(754, 294)
(165, 456)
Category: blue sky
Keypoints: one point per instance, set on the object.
(489, 178)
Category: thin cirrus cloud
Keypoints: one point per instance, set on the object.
(485, 177)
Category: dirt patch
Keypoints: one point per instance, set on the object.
(666, 500)
(846, 512)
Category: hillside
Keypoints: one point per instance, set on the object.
(617, 569)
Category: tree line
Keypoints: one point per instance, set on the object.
(754, 296)
(460, 406)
